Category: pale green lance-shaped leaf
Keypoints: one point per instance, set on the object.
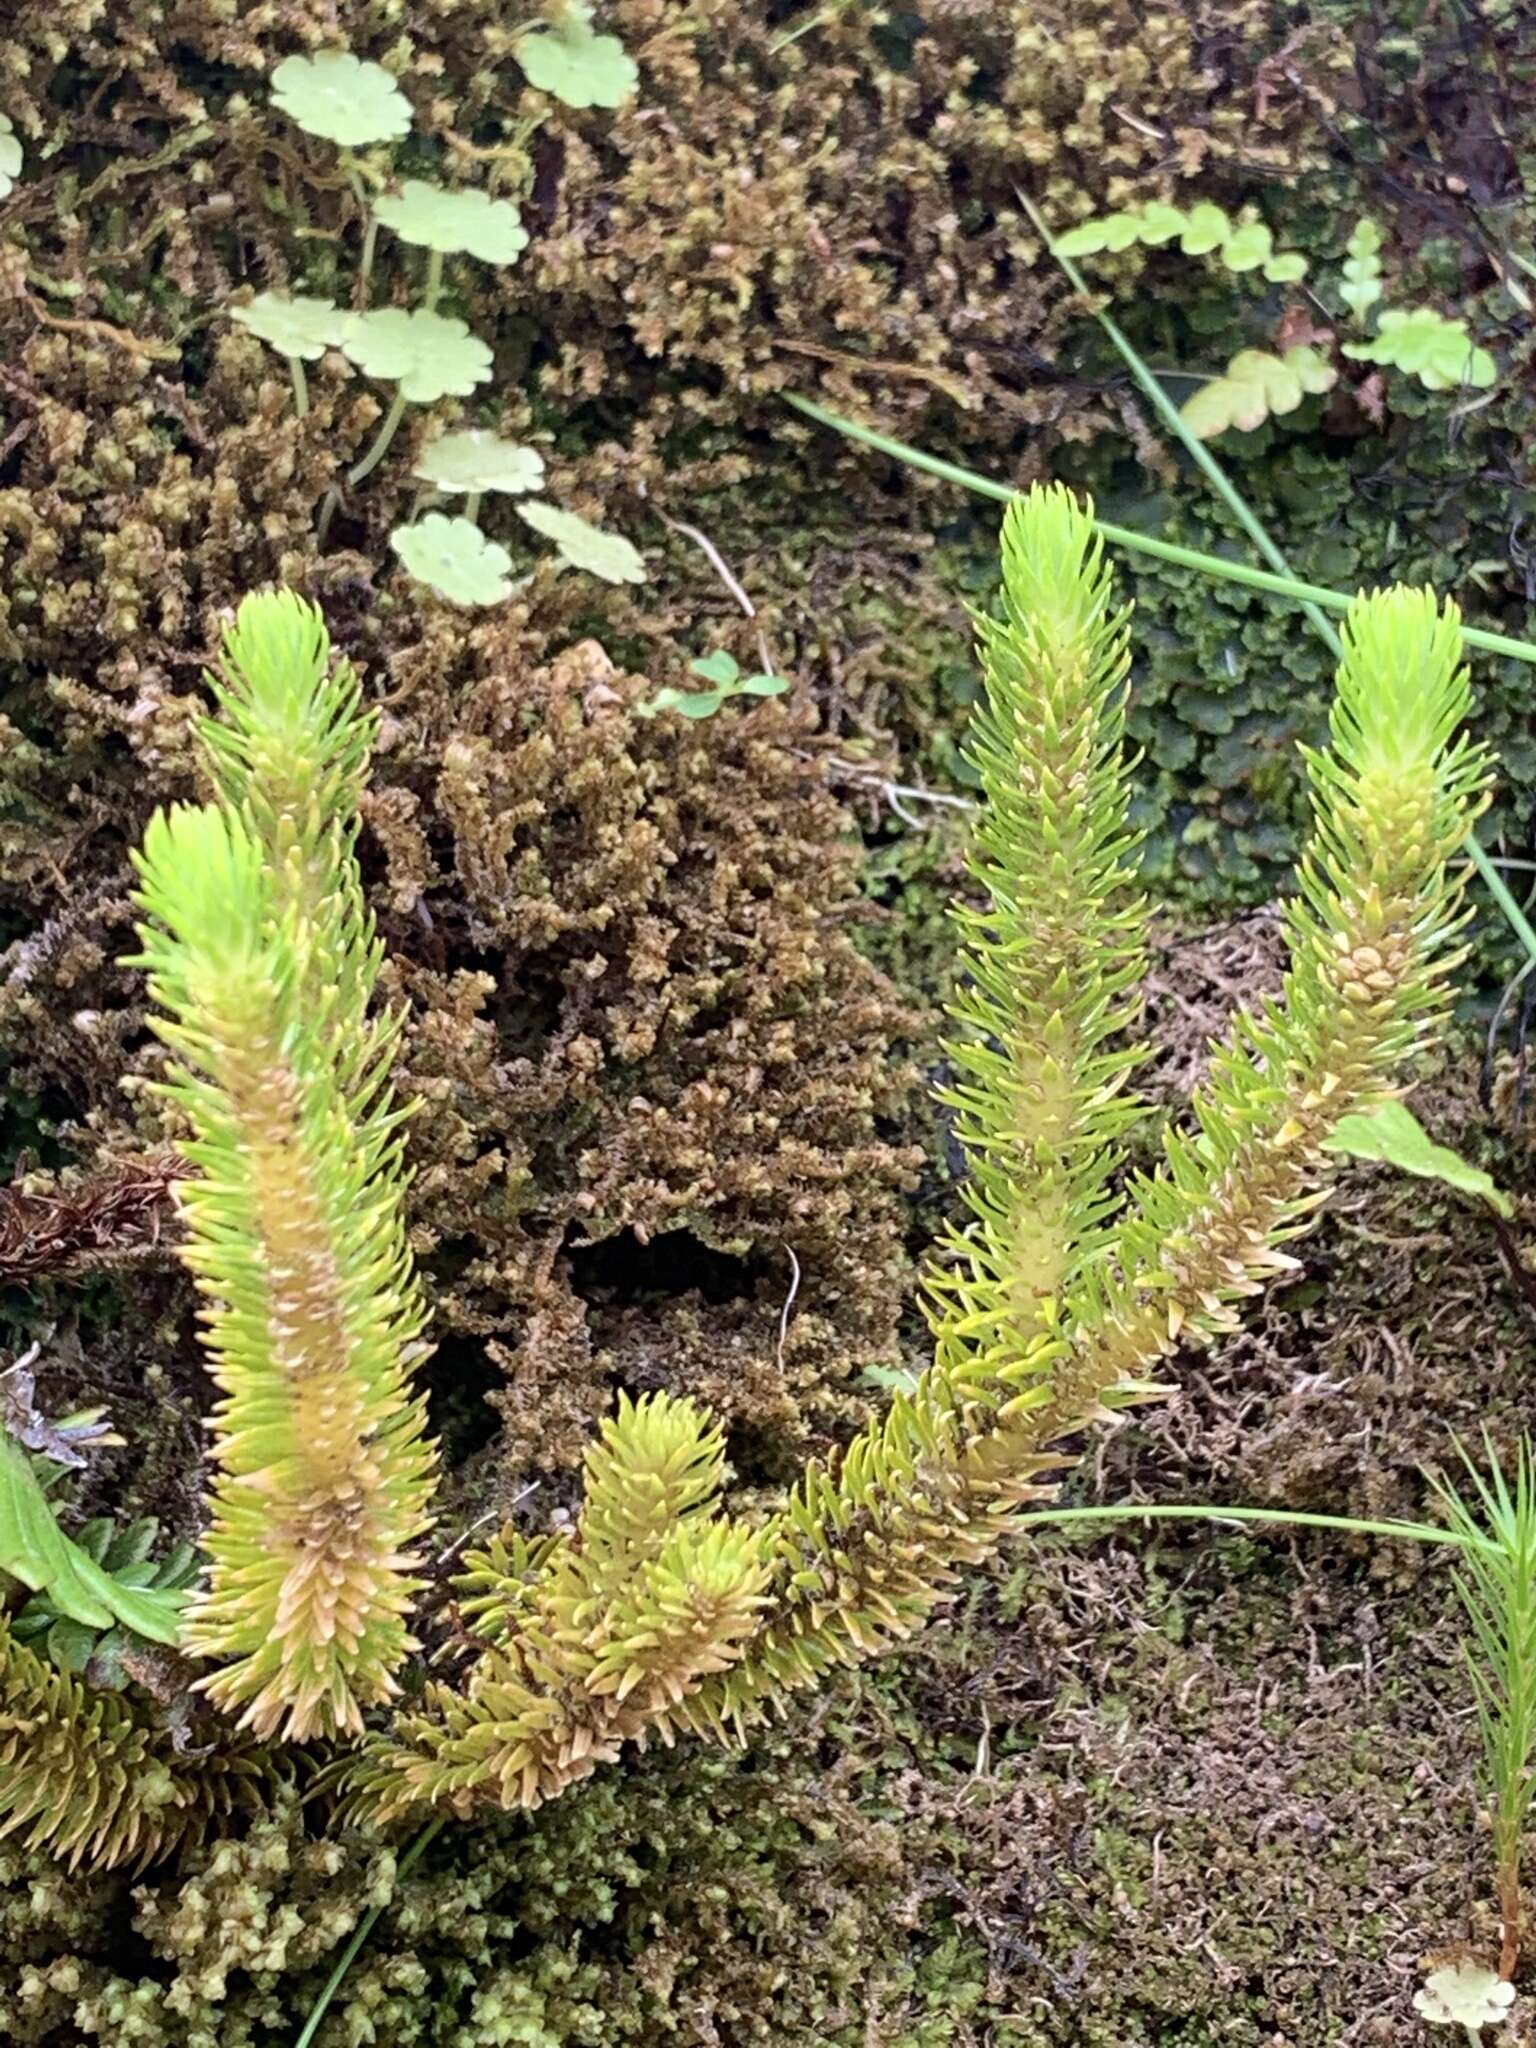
(1391, 1135)
(10, 157)
(35, 1550)
(585, 546)
(475, 460)
(1466, 1995)
(341, 98)
(457, 223)
(294, 327)
(455, 558)
(1256, 385)
(429, 355)
(576, 66)
(1360, 278)
(1436, 350)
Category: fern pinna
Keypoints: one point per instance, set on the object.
(1053, 1305)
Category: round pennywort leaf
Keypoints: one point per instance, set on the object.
(572, 64)
(455, 558)
(294, 327)
(585, 546)
(457, 223)
(429, 355)
(1464, 1995)
(475, 460)
(341, 98)
(10, 157)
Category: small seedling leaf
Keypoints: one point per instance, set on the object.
(475, 460)
(455, 558)
(457, 223)
(577, 67)
(10, 157)
(1391, 1135)
(764, 686)
(585, 546)
(341, 98)
(1255, 386)
(1466, 1995)
(687, 703)
(1437, 350)
(429, 355)
(294, 327)
(1287, 269)
(718, 666)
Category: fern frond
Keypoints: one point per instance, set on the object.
(1051, 963)
(92, 1783)
(296, 1237)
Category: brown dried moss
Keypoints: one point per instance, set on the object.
(637, 1021)
(773, 206)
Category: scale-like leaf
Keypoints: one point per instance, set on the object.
(1437, 350)
(1254, 386)
(341, 98)
(457, 223)
(475, 460)
(429, 355)
(455, 558)
(294, 327)
(585, 546)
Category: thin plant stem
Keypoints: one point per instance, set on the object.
(300, 386)
(365, 265)
(432, 289)
(1412, 1532)
(328, 506)
(1291, 588)
(472, 505)
(1312, 597)
(381, 440)
(360, 1934)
